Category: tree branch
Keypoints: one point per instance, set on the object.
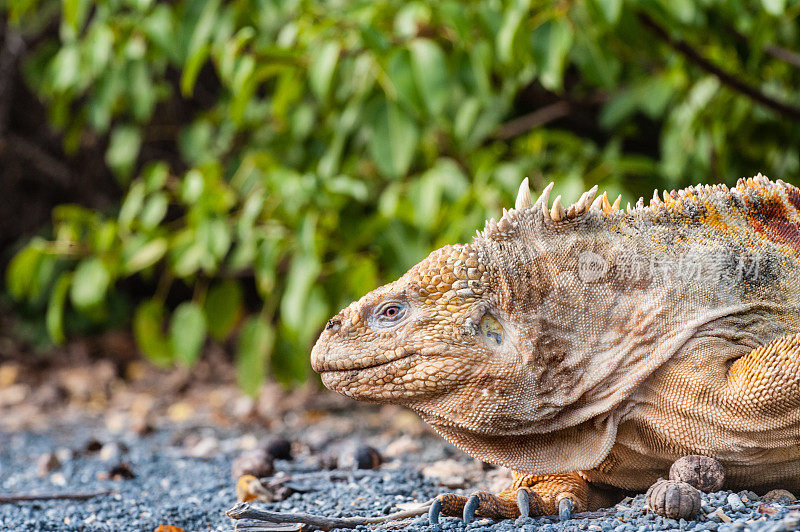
(243, 510)
(726, 78)
(530, 121)
(787, 56)
(54, 496)
(12, 48)
(38, 157)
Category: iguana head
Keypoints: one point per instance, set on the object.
(417, 339)
(523, 346)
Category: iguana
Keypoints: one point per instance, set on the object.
(590, 346)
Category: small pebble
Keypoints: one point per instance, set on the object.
(735, 502)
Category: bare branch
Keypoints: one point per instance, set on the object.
(539, 117)
(787, 56)
(38, 157)
(244, 510)
(12, 48)
(727, 78)
(54, 496)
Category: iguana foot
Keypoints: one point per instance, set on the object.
(528, 495)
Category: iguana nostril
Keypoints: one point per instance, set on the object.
(333, 325)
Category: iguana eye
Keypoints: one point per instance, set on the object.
(491, 328)
(388, 313)
(391, 311)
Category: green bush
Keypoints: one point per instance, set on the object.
(336, 143)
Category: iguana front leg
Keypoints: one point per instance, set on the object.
(527, 495)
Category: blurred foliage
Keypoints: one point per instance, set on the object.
(333, 144)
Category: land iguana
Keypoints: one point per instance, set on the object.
(591, 346)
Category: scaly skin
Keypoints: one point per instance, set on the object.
(597, 345)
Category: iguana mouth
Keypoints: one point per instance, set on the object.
(328, 364)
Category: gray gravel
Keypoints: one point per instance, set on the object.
(173, 488)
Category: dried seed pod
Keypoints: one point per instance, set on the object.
(256, 462)
(367, 457)
(701, 472)
(279, 448)
(673, 499)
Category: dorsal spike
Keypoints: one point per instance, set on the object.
(591, 193)
(597, 204)
(523, 196)
(557, 213)
(656, 200)
(615, 206)
(629, 209)
(667, 197)
(640, 203)
(544, 200)
(606, 204)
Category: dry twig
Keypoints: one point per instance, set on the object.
(245, 511)
(53, 496)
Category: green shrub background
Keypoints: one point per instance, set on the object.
(333, 144)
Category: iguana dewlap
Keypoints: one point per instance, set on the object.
(592, 345)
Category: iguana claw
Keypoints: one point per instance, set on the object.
(433, 513)
(469, 509)
(565, 507)
(524, 503)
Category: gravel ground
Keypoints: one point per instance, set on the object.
(183, 478)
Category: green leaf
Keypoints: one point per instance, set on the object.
(155, 175)
(21, 274)
(154, 210)
(188, 255)
(610, 9)
(302, 275)
(75, 13)
(131, 205)
(322, 68)
(65, 68)
(139, 256)
(255, 344)
(430, 72)
(54, 319)
(147, 323)
(187, 332)
(123, 149)
(401, 74)
(507, 36)
(553, 42)
(774, 7)
(192, 186)
(223, 306)
(394, 139)
(89, 284)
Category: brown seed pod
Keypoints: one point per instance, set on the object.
(701, 472)
(673, 499)
(279, 448)
(256, 462)
(365, 457)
